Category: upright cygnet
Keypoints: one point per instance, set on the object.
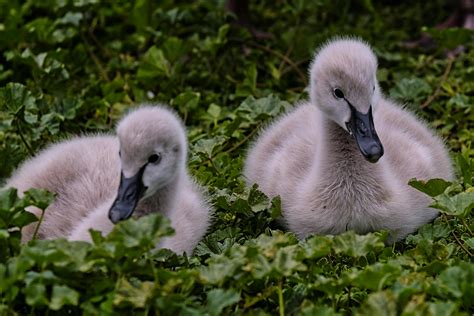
(146, 162)
(343, 160)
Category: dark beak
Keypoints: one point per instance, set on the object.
(362, 128)
(129, 193)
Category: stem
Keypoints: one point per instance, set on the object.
(287, 55)
(286, 59)
(281, 303)
(456, 237)
(95, 59)
(90, 30)
(291, 46)
(297, 63)
(185, 117)
(349, 296)
(243, 141)
(443, 79)
(38, 225)
(213, 165)
(153, 268)
(467, 226)
(28, 147)
(296, 89)
(461, 244)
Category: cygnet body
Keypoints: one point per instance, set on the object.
(343, 160)
(146, 162)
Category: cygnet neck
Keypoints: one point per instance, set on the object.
(162, 200)
(341, 156)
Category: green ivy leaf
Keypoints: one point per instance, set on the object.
(15, 97)
(357, 246)
(450, 38)
(219, 299)
(137, 294)
(187, 101)
(276, 208)
(434, 231)
(457, 282)
(63, 295)
(142, 233)
(263, 108)
(174, 49)
(318, 246)
(381, 303)
(460, 204)
(36, 295)
(470, 242)
(207, 147)
(411, 90)
(249, 85)
(4, 234)
(310, 310)
(467, 168)
(377, 276)
(432, 187)
(154, 65)
(442, 308)
(73, 18)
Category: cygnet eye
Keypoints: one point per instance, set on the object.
(155, 158)
(338, 93)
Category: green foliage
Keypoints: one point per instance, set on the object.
(75, 66)
(13, 217)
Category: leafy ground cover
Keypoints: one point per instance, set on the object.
(74, 66)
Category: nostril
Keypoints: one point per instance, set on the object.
(374, 149)
(374, 153)
(114, 217)
(361, 128)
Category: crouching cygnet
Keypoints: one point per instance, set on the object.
(343, 160)
(146, 162)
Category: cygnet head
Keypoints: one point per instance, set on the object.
(152, 154)
(345, 88)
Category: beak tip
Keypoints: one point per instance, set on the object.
(373, 159)
(114, 217)
(374, 153)
(130, 191)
